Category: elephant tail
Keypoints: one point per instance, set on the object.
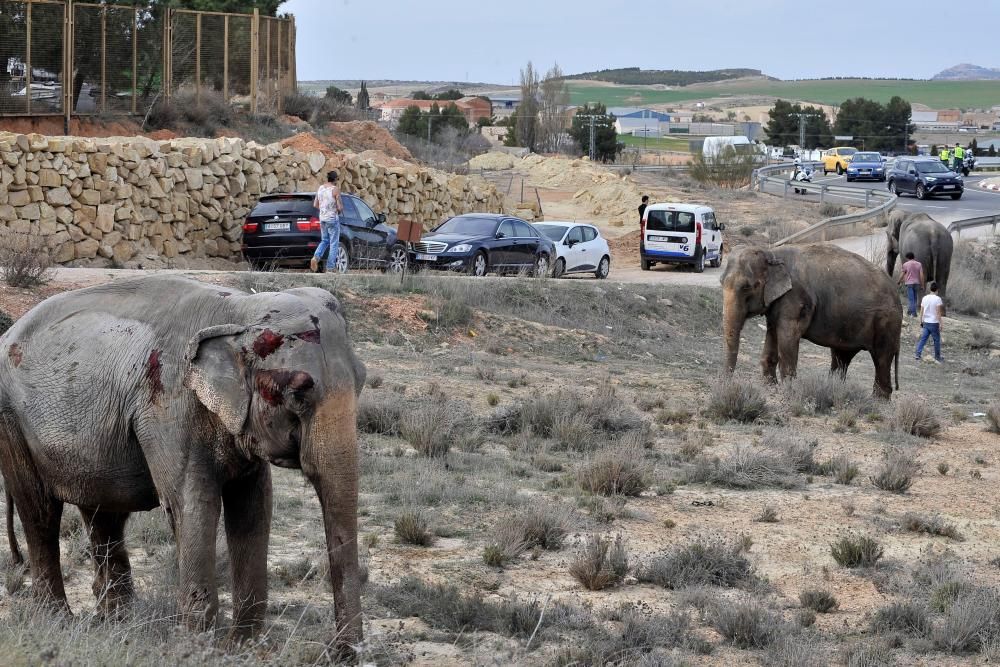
(15, 551)
(896, 362)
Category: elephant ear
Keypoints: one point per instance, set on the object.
(778, 282)
(217, 374)
(893, 241)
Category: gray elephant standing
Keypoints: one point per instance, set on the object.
(930, 243)
(821, 293)
(166, 391)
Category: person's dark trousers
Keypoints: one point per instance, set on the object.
(930, 331)
(911, 293)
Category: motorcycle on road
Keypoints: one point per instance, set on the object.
(801, 175)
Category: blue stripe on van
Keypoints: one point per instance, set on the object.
(666, 253)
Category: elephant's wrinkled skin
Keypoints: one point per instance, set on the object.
(166, 391)
(822, 293)
(930, 243)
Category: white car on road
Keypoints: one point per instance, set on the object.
(580, 248)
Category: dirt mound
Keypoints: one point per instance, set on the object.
(79, 127)
(359, 136)
(305, 142)
(603, 194)
(380, 158)
(626, 244)
(492, 161)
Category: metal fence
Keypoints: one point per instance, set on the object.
(61, 57)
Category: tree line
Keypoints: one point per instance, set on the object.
(667, 77)
(873, 126)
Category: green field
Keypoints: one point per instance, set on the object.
(656, 143)
(935, 94)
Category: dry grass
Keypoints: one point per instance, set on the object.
(737, 399)
(857, 551)
(600, 563)
(748, 467)
(413, 528)
(819, 600)
(993, 417)
(914, 416)
(896, 472)
(930, 525)
(746, 623)
(621, 470)
(29, 266)
(909, 618)
(706, 561)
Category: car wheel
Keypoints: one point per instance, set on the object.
(542, 267)
(604, 268)
(699, 262)
(646, 264)
(479, 267)
(892, 188)
(717, 262)
(396, 261)
(957, 195)
(825, 172)
(840, 170)
(343, 262)
(921, 192)
(559, 268)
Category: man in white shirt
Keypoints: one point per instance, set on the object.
(931, 314)
(330, 207)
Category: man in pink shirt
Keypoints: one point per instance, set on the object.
(913, 277)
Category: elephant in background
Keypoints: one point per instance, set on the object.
(821, 293)
(930, 243)
(167, 391)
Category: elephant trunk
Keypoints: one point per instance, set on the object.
(329, 459)
(733, 317)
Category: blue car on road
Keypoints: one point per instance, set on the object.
(866, 166)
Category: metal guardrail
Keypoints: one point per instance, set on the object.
(957, 226)
(822, 229)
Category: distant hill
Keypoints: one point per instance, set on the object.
(968, 72)
(633, 76)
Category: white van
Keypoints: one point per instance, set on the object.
(680, 234)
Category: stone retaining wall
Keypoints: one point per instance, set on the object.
(138, 202)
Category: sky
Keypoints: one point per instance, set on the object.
(472, 40)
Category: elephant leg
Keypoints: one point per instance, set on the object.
(883, 372)
(769, 358)
(196, 523)
(112, 570)
(840, 360)
(247, 502)
(788, 353)
(40, 513)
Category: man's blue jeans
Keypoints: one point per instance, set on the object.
(930, 331)
(911, 293)
(330, 238)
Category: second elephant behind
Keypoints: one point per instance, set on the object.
(930, 243)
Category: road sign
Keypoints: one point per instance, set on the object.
(845, 137)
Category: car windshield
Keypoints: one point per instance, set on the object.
(552, 232)
(468, 226)
(284, 206)
(848, 151)
(931, 168)
(867, 157)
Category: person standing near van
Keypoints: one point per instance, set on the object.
(642, 207)
(330, 207)
(945, 157)
(959, 157)
(912, 276)
(931, 313)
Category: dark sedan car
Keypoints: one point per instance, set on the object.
(924, 177)
(481, 243)
(283, 230)
(866, 165)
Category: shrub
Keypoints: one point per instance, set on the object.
(746, 623)
(746, 467)
(453, 313)
(914, 416)
(412, 528)
(869, 655)
(429, 428)
(931, 525)
(993, 417)
(828, 210)
(896, 472)
(6, 322)
(982, 337)
(620, 470)
(600, 563)
(968, 621)
(767, 515)
(907, 617)
(737, 399)
(821, 601)
(199, 115)
(822, 393)
(857, 551)
(29, 266)
(972, 286)
(505, 545)
(842, 468)
(380, 413)
(540, 526)
(703, 562)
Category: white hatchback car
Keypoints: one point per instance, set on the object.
(580, 248)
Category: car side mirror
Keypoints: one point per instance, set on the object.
(500, 235)
(913, 172)
(722, 226)
(571, 242)
(380, 219)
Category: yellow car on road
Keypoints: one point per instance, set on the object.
(836, 159)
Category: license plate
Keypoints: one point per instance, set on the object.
(277, 226)
(425, 258)
(658, 239)
(949, 187)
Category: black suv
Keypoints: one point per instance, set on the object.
(283, 230)
(924, 177)
(480, 243)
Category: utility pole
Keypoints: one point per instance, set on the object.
(593, 140)
(802, 128)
